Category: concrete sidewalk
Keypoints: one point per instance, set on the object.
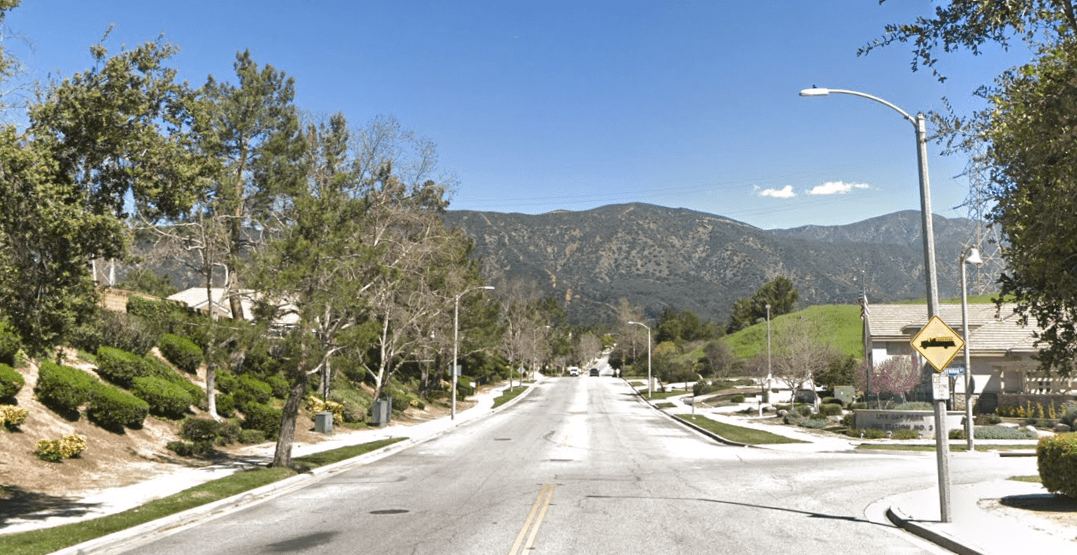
(978, 526)
(89, 505)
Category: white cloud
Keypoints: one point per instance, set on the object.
(836, 187)
(784, 192)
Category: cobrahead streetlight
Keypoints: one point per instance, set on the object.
(919, 125)
(969, 256)
(456, 342)
(650, 381)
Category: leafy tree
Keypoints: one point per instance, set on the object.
(779, 293)
(896, 375)
(1024, 136)
(113, 132)
(799, 355)
(718, 358)
(146, 281)
(840, 370)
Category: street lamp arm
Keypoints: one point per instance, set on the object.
(816, 91)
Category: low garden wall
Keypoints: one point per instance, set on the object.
(922, 421)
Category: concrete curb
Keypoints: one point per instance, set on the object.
(686, 423)
(925, 531)
(128, 539)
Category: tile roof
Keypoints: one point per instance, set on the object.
(991, 330)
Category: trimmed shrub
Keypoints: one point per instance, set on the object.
(181, 351)
(1056, 459)
(159, 369)
(114, 409)
(9, 344)
(262, 417)
(737, 399)
(48, 450)
(72, 445)
(181, 448)
(11, 381)
(280, 386)
(830, 409)
(121, 367)
(12, 417)
(865, 433)
(906, 434)
(986, 419)
(813, 423)
(226, 381)
(464, 387)
(832, 401)
(226, 405)
(249, 437)
(112, 329)
(164, 398)
(55, 450)
(259, 391)
(1001, 432)
(858, 406)
(64, 388)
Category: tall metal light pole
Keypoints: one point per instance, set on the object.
(650, 381)
(766, 397)
(942, 447)
(456, 342)
(969, 256)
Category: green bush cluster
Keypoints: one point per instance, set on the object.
(1056, 459)
(121, 367)
(180, 351)
(11, 381)
(736, 399)
(813, 423)
(1029, 410)
(226, 404)
(262, 417)
(114, 409)
(995, 432)
(986, 419)
(865, 433)
(906, 434)
(915, 405)
(55, 450)
(249, 437)
(464, 387)
(12, 417)
(112, 329)
(64, 388)
(202, 434)
(164, 398)
(830, 409)
(161, 370)
(9, 344)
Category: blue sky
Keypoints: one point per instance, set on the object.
(547, 105)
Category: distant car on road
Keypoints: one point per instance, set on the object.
(573, 371)
(594, 372)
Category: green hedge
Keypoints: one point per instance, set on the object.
(262, 417)
(181, 351)
(226, 404)
(121, 367)
(9, 344)
(164, 398)
(114, 409)
(64, 388)
(1056, 457)
(830, 409)
(11, 381)
(159, 369)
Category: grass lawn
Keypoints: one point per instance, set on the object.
(1032, 479)
(953, 447)
(509, 395)
(738, 434)
(40, 542)
(666, 394)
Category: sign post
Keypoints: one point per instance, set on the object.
(939, 344)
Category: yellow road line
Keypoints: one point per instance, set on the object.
(543, 501)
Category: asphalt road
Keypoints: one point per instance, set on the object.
(581, 466)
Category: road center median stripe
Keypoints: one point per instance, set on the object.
(539, 508)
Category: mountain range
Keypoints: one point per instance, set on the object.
(658, 257)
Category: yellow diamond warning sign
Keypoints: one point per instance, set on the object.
(938, 343)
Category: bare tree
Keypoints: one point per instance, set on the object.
(799, 355)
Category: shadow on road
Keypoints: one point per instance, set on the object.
(30, 505)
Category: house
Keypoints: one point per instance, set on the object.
(197, 299)
(1001, 350)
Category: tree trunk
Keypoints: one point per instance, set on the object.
(282, 457)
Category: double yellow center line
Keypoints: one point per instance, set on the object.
(532, 523)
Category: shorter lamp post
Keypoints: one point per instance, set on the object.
(650, 381)
(969, 256)
(456, 342)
